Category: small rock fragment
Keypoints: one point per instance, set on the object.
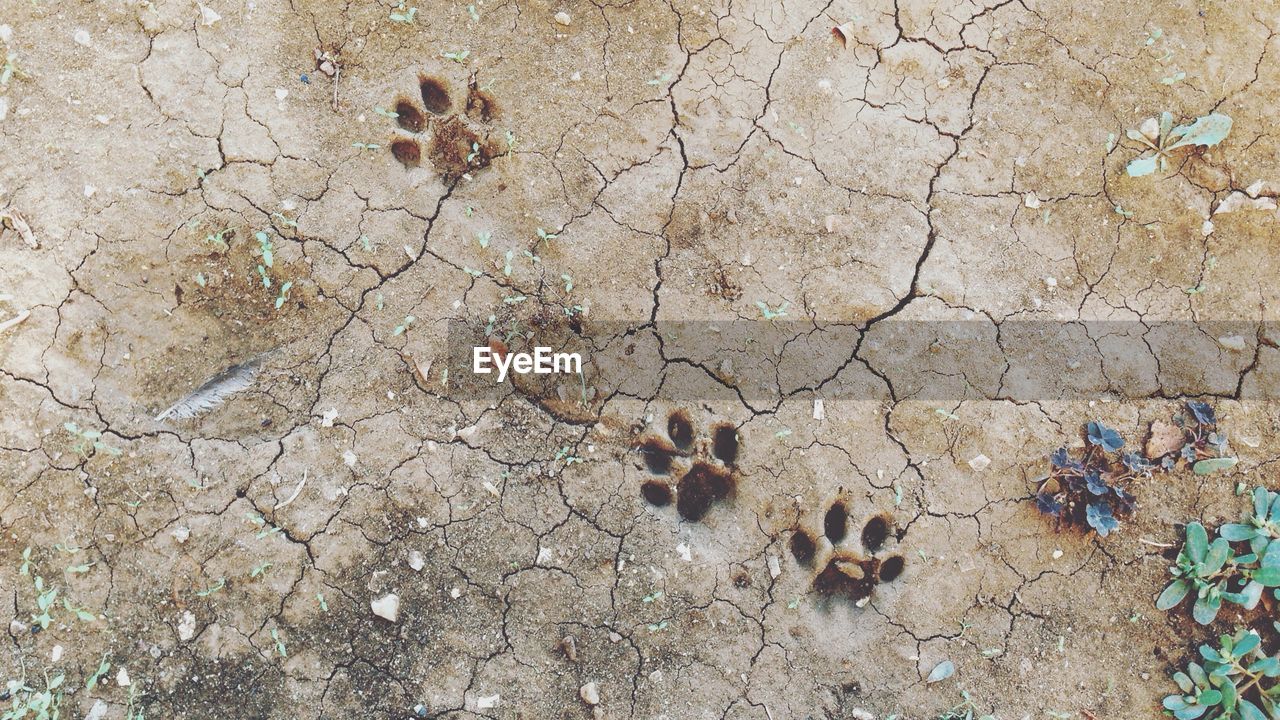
(486, 703)
(122, 678)
(56, 655)
(980, 462)
(181, 533)
(187, 626)
(774, 568)
(1150, 129)
(82, 37)
(6, 34)
(1057, 554)
(590, 693)
(326, 419)
(98, 711)
(563, 18)
(417, 560)
(208, 16)
(819, 409)
(387, 607)
(569, 647)
(1232, 342)
(4, 107)
(1031, 201)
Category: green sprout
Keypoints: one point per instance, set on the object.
(88, 442)
(402, 15)
(408, 320)
(284, 293)
(1236, 682)
(457, 57)
(1162, 138)
(1217, 574)
(770, 314)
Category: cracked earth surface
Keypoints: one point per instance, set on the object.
(692, 159)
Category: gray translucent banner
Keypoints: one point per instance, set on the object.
(938, 361)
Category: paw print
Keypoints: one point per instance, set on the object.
(704, 464)
(843, 572)
(458, 143)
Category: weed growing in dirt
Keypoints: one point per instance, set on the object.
(88, 442)
(1217, 574)
(1092, 489)
(1162, 138)
(403, 15)
(1236, 682)
(965, 710)
(28, 702)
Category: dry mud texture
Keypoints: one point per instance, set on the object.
(695, 158)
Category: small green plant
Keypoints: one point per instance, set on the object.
(408, 320)
(403, 15)
(965, 710)
(88, 442)
(1236, 682)
(103, 666)
(28, 702)
(1217, 574)
(10, 69)
(1161, 137)
(220, 238)
(769, 313)
(456, 56)
(284, 293)
(280, 648)
(265, 248)
(545, 236)
(1091, 489)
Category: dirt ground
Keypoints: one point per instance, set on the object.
(339, 193)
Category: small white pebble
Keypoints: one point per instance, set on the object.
(82, 37)
(417, 561)
(387, 607)
(590, 693)
(1057, 554)
(122, 678)
(1232, 342)
(56, 655)
(980, 462)
(563, 18)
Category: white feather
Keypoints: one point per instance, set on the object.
(214, 392)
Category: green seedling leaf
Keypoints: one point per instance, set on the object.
(941, 671)
(1206, 131)
(1212, 465)
(1142, 166)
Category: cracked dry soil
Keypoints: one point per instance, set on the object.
(947, 160)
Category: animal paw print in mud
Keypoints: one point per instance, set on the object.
(705, 466)
(843, 571)
(458, 142)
